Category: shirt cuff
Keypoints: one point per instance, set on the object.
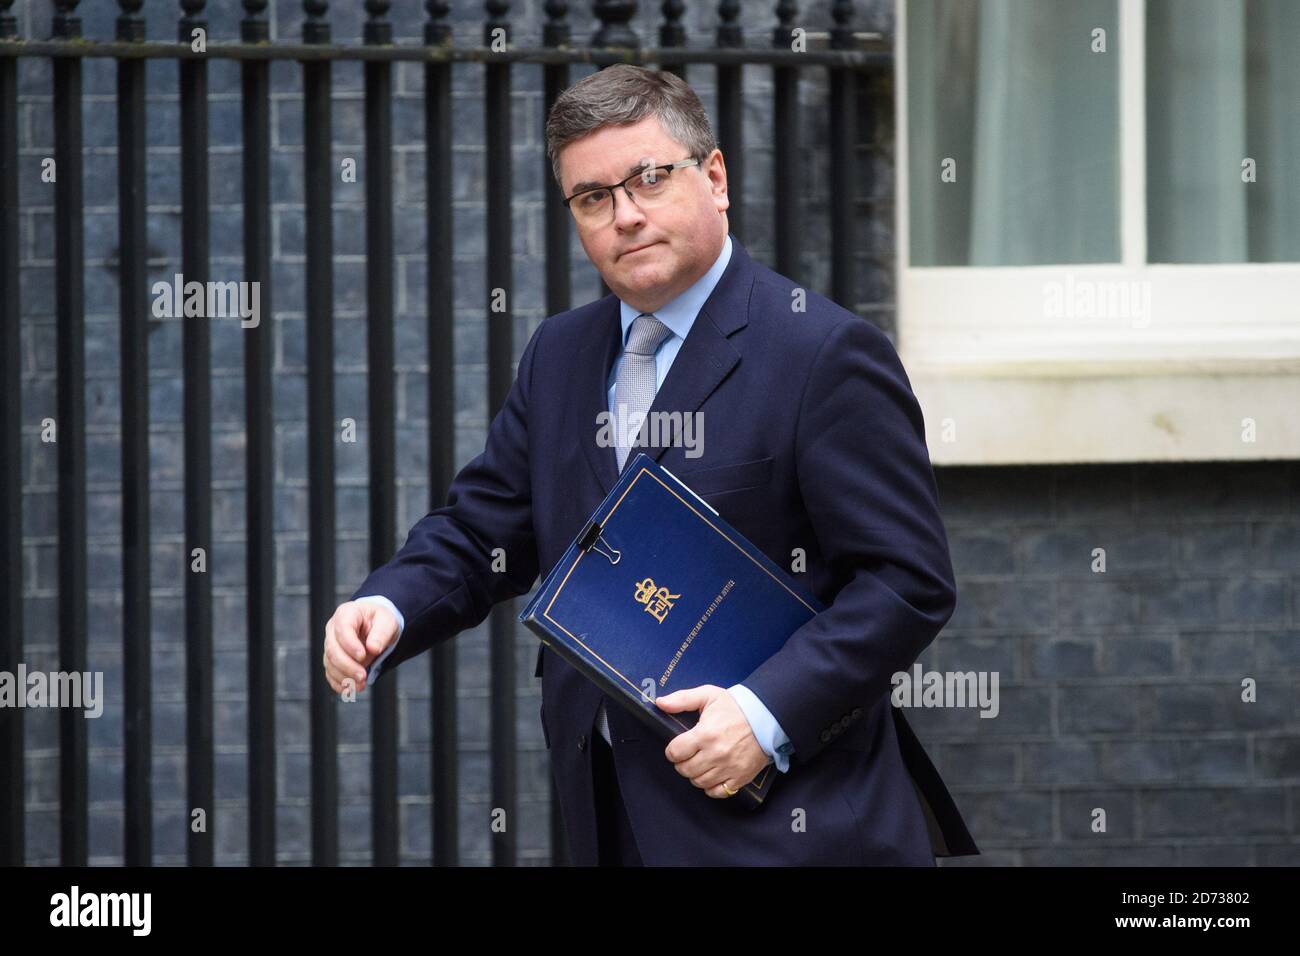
(401, 626)
(766, 730)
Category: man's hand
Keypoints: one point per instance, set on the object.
(356, 634)
(721, 748)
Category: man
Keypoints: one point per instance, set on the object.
(812, 447)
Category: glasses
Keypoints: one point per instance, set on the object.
(647, 188)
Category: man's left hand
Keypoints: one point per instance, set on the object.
(721, 748)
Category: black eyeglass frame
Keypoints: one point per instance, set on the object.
(667, 167)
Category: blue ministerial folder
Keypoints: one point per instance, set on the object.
(659, 593)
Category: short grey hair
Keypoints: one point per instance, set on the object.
(623, 94)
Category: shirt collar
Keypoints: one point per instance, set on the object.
(679, 314)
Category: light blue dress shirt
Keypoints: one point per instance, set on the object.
(679, 315)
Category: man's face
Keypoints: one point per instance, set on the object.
(681, 239)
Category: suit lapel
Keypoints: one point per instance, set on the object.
(704, 360)
(596, 361)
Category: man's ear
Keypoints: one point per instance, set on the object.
(722, 200)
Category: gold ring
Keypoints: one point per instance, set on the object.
(730, 792)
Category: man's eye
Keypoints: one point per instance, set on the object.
(593, 198)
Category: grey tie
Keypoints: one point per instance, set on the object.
(635, 389)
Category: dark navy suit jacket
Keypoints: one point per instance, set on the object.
(812, 440)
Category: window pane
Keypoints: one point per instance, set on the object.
(1223, 90)
(1009, 97)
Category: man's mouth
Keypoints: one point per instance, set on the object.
(639, 248)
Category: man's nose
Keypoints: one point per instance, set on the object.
(626, 211)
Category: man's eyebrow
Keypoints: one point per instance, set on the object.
(631, 170)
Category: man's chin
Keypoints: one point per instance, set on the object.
(641, 287)
(645, 274)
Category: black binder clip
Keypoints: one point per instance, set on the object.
(590, 540)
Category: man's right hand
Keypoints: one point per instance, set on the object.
(358, 632)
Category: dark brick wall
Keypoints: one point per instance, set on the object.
(1119, 688)
(1122, 690)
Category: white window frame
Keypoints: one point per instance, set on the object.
(1210, 371)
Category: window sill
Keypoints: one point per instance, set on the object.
(1071, 412)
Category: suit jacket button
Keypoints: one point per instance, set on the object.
(826, 735)
(582, 741)
(857, 712)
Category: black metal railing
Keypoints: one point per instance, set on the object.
(845, 57)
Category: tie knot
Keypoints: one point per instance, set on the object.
(647, 332)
